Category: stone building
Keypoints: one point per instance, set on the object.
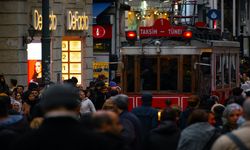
(71, 38)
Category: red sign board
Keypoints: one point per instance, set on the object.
(102, 32)
(161, 28)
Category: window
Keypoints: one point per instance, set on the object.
(130, 73)
(233, 69)
(218, 71)
(187, 72)
(148, 73)
(168, 73)
(225, 64)
(71, 60)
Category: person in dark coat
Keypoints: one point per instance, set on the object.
(121, 105)
(107, 123)
(166, 135)
(4, 88)
(193, 103)
(61, 128)
(146, 113)
(11, 126)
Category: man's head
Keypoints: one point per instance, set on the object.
(146, 99)
(198, 115)
(107, 122)
(246, 109)
(20, 89)
(193, 101)
(121, 101)
(75, 80)
(60, 96)
(13, 82)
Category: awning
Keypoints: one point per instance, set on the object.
(98, 8)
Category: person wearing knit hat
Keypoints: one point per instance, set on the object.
(58, 96)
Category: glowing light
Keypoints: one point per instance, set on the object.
(187, 34)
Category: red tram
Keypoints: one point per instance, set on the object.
(177, 57)
(174, 71)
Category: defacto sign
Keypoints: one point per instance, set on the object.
(77, 22)
(37, 20)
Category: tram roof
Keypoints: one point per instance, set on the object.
(175, 47)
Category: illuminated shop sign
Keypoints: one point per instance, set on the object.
(38, 20)
(34, 52)
(75, 21)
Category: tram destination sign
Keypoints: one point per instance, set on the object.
(161, 28)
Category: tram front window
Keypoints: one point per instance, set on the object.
(148, 73)
(168, 73)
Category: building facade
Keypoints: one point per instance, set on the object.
(71, 51)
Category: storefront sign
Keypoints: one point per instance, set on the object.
(102, 32)
(34, 52)
(37, 21)
(101, 68)
(161, 28)
(76, 21)
(98, 31)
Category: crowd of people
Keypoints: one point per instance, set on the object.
(66, 116)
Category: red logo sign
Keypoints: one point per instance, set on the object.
(98, 31)
(161, 28)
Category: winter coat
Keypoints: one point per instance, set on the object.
(196, 136)
(137, 126)
(11, 128)
(62, 133)
(166, 136)
(148, 117)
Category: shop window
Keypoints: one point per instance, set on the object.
(148, 73)
(168, 73)
(102, 45)
(71, 60)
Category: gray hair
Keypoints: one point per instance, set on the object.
(230, 108)
(121, 101)
(246, 108)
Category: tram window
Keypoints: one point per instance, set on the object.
(187, 82)
(233, 69)
(225, 64)
(148, 73)
(218, 71)
(168, 73)
(205, 59)
(130, 74)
